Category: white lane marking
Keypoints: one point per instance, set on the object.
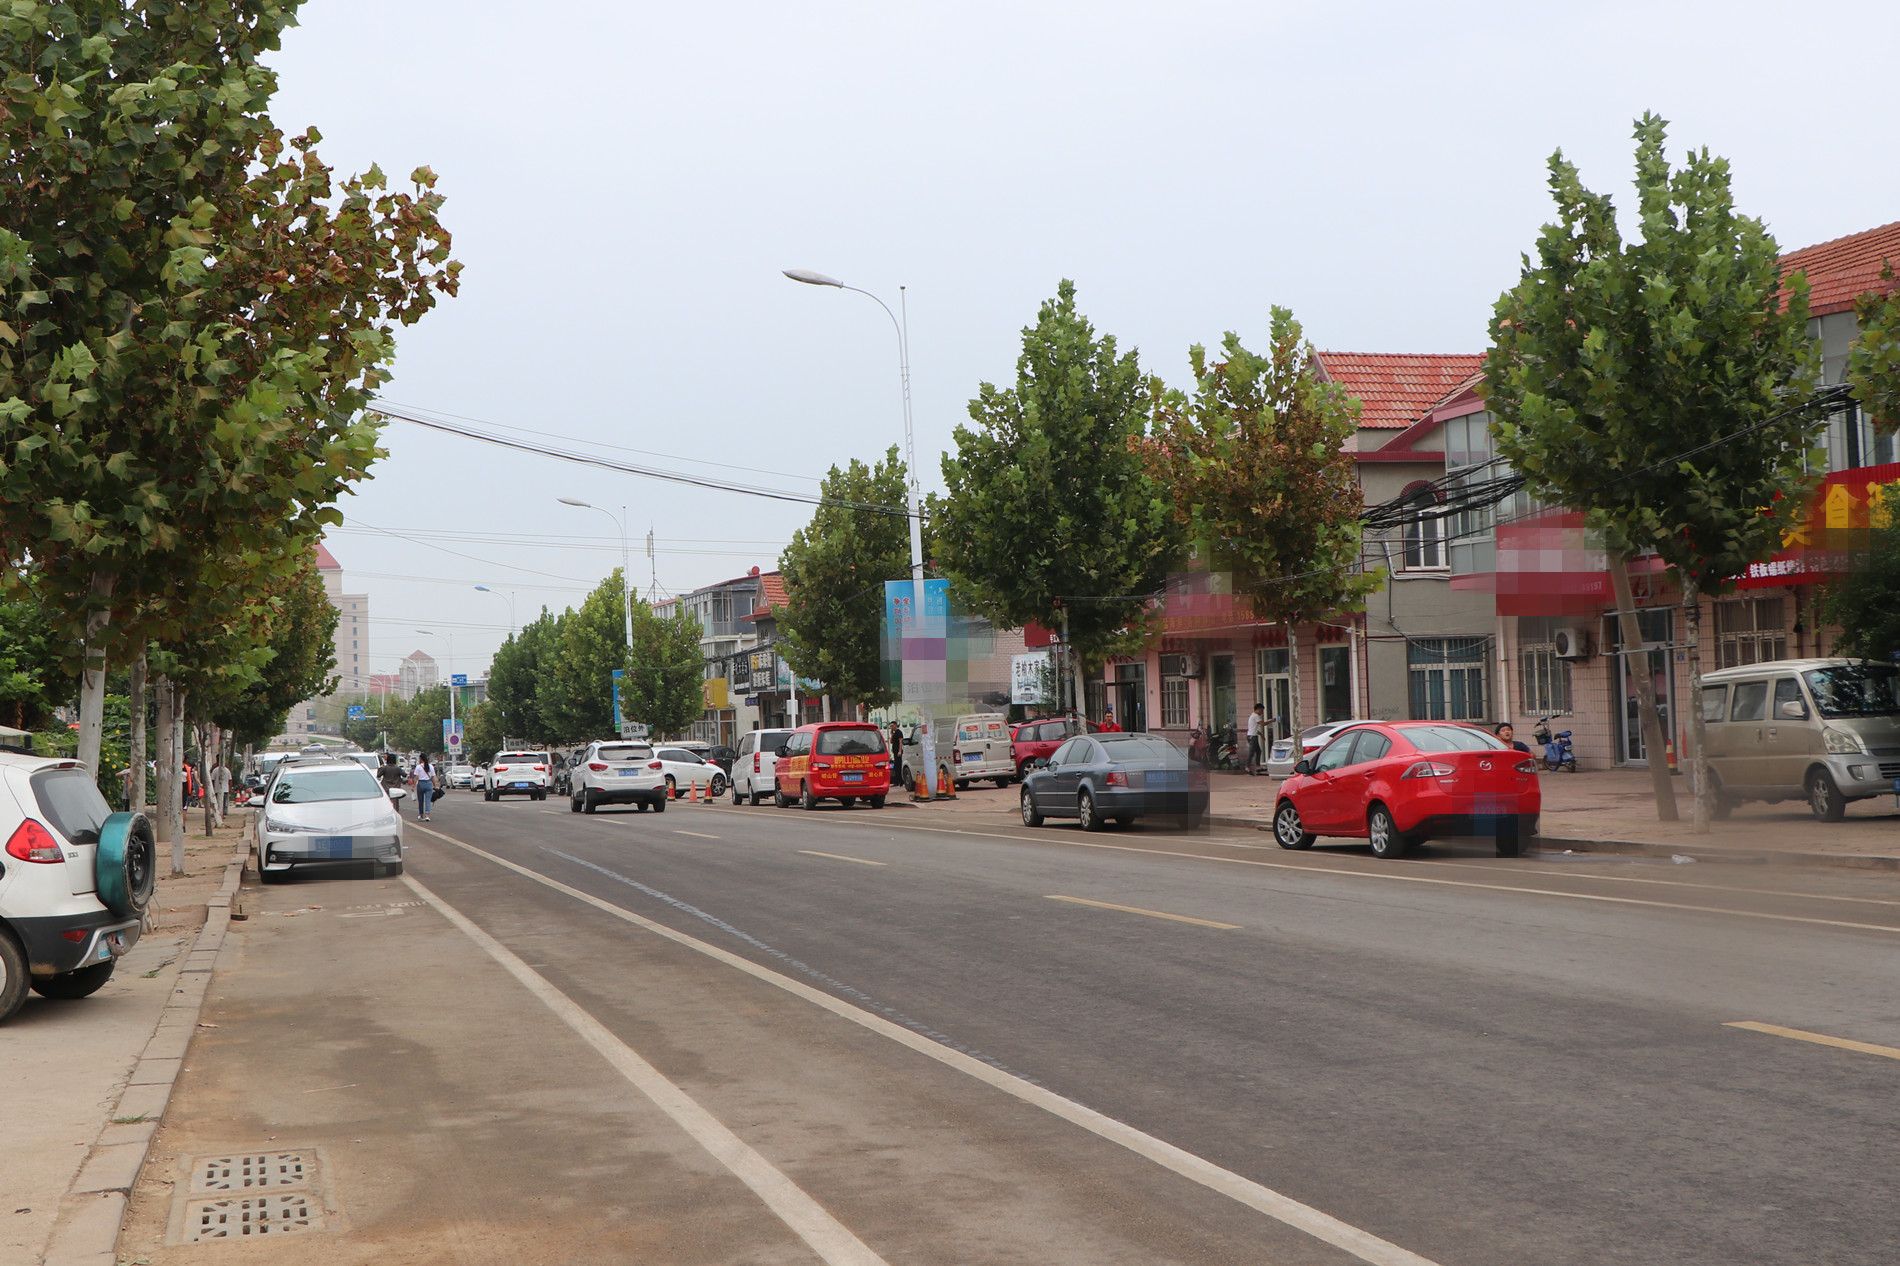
(1364, 1245)
(1153, 914)
(1423, 879)
(827, 1236)
(697, 835)
(838, 857)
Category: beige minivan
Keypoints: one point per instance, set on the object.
(1825, 730)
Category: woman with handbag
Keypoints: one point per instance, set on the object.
(424, 776)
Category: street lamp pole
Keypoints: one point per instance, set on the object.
(626, 587)
(510, 595)
(450, 639)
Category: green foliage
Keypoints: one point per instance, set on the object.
(1611, 359)
(835, 567)
(1873, 366)
(1865, 601)
(514, 679)
(299, 634)
(1258, 466)
(666, 675)
(1047, 505)
(574, 693)
(31, 680)
(481, 732)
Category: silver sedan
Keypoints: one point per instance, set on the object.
(1285, 754)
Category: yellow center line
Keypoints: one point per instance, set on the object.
(1819, 1039)
(1153, 914)
(697, 835)
(838, 857)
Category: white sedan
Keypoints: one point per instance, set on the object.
(686, 769)
(321, 811)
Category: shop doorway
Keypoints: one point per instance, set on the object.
(1274, 682)
(1131, 697)
(1335, 683)
(1220, 675)
(1658, 625)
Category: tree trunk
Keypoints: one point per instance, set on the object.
(167, 789)
(92, 678)
(1700, 785)
(1634, 645)
(136, 738)
(176, 777)
(1296, 722)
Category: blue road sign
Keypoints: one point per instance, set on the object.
(458, 679)
(356, 712)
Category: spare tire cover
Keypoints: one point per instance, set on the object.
(126, 866)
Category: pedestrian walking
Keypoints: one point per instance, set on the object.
(389, 773)
(221, 786)
(424, 777)
(1255, 720)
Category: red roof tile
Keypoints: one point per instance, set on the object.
(326, 561)
(1842, 270)
(1396, 389)
(772, 587)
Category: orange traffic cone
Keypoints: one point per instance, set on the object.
(693, 796)
(946, 790)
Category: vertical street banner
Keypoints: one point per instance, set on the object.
(619, 722)
(452, 736)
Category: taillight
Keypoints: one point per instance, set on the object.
(653, 764)
(755, 763)
(1116, 778)
(956, 758)
(821, 764)
(539, 769)
(880, 764)
(75, 935)
(34, 843)
(1527, 767)
(597, 766)
(1430, 769)
(501, 769)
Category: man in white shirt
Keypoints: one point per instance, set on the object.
(1254, 721)
(221, 786)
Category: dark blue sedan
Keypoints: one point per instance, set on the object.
(1096, 778)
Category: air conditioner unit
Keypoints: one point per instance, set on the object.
(1572, 643)
(1180, 665)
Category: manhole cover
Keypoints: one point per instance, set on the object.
(250, 1172)
(245, 1217)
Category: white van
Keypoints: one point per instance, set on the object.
(982, 749)
(755, 768)
(1823, 730)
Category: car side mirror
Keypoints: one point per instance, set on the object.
(784, 749)
(397, 793)
(1794, 710)
(1303, 768)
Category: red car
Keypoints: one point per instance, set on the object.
(1039, 738)
(846, 761)
(1399, 783)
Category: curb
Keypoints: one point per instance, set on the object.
(87, 1230)
(1758, 856)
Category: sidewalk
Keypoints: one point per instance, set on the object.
(1597, 811)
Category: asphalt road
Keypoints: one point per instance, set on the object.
(1484, 1062)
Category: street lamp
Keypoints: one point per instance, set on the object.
(911, 486)
(450, 639)
(626, 584)
(511, 605)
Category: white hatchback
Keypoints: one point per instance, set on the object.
(75, 883)
(320, 812)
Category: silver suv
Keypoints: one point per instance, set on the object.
(613, 771)
(75, 879)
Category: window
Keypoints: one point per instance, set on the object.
(1424, 539)
(1750, 631)
(1372, 746)
(1069, 751)
(1447, 678)
(1856, 690)
(1337, 753)
(1174, 702)
(1452, 738)
(1543, 679)
(1714, 703)
(1751, 701)
(866, 742)
(1788, 691)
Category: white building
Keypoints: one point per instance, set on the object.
(418, 673)
(351, 648)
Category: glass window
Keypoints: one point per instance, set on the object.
(680, 754)
(316, 786)
(864, 742)
(1751, 701)
(1174, 701)
(1856, 690)
(1750, 631)
(1452, 738)
(70, 801)
(1447, 678)
(1337, 753)
(1787, 691)
(1372, 746)
(1067, 753)
(1424, 541)
(622, 753)
(1714, 703)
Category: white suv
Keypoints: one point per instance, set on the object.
(75, 879)
(755, 768)
(613, 771)
(516, 774)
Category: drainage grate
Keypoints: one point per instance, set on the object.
(251, 1171)
(247, 1217)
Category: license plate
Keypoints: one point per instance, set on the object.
(623, 773)
(854, 777)
(522, 786)
(1161, 780)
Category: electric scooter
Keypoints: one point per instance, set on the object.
(1558, 754)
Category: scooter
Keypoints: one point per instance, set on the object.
(1558, 754)
(1226, 752)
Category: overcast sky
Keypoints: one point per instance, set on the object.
(625, 182)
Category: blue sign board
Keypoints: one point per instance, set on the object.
(452, 737)
(356, 711)
(458, 679)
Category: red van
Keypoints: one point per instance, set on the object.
(846, 761)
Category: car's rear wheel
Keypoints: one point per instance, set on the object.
(659, 803)
(76, 983)
(13, 975)
(1825, 800)
(1022, 768)
(1510, 843)
(779, 798)
(1032, 816)
(587, 800)
(1288, 830)
(1002, 780)
(738, 796)
(1085, 812)
(877, 802)
(574, 804)
(1387, 843)
(805, 799)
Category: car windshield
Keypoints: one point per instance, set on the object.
(624, 753)
(1855, 690)
(1135, 746)
(72, 803)
(314, 786)
(1450, 738)
(865, 742)
(1318, 731)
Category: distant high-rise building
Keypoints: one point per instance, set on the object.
(351, 648)
(419, 672)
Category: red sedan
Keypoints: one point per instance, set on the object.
(1399, 783)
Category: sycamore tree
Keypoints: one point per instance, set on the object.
(665, 682)
(1873, 366)
(1048, 515)
(514, 676)
(1256, 460)
(575, 692)
(1658, 385)
(192, 313)
(832, 626)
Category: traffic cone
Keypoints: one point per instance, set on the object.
(946, 790)
(693, 796)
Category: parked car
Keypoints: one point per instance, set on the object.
(75, 881)
(846, 761)
(1399, 783)
(1825, 730)
(461, 775)
(752, 768)
(323, 810)
(1097, 778)
(723, 755)
(980, 748)
(615, 771)
(1038, 739)
(1283, 754)
(686, 768)
(516, 774)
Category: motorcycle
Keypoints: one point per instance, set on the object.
(1227, 754)
(1559, 756)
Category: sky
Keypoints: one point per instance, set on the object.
(626, 181)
